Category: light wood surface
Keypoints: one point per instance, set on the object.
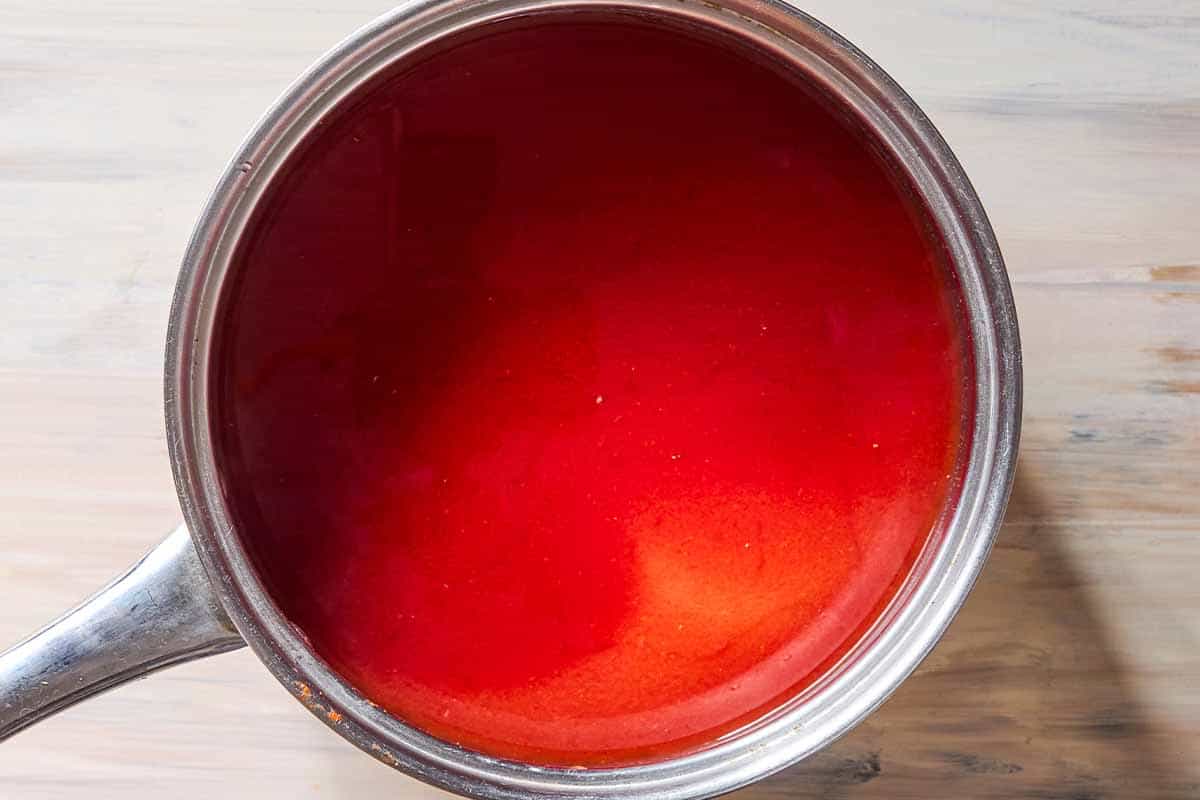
(1072, 673)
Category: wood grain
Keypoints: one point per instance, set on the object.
(1073, 672)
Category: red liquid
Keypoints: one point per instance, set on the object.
(585, 391)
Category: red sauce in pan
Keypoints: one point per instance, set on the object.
(585, 390)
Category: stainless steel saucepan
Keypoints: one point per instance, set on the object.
(196, 594)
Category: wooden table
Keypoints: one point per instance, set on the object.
(1073, 672)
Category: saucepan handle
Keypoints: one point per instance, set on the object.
(161, 612)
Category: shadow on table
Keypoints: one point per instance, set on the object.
(1024, 697)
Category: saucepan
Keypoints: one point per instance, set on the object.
(197, 593)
